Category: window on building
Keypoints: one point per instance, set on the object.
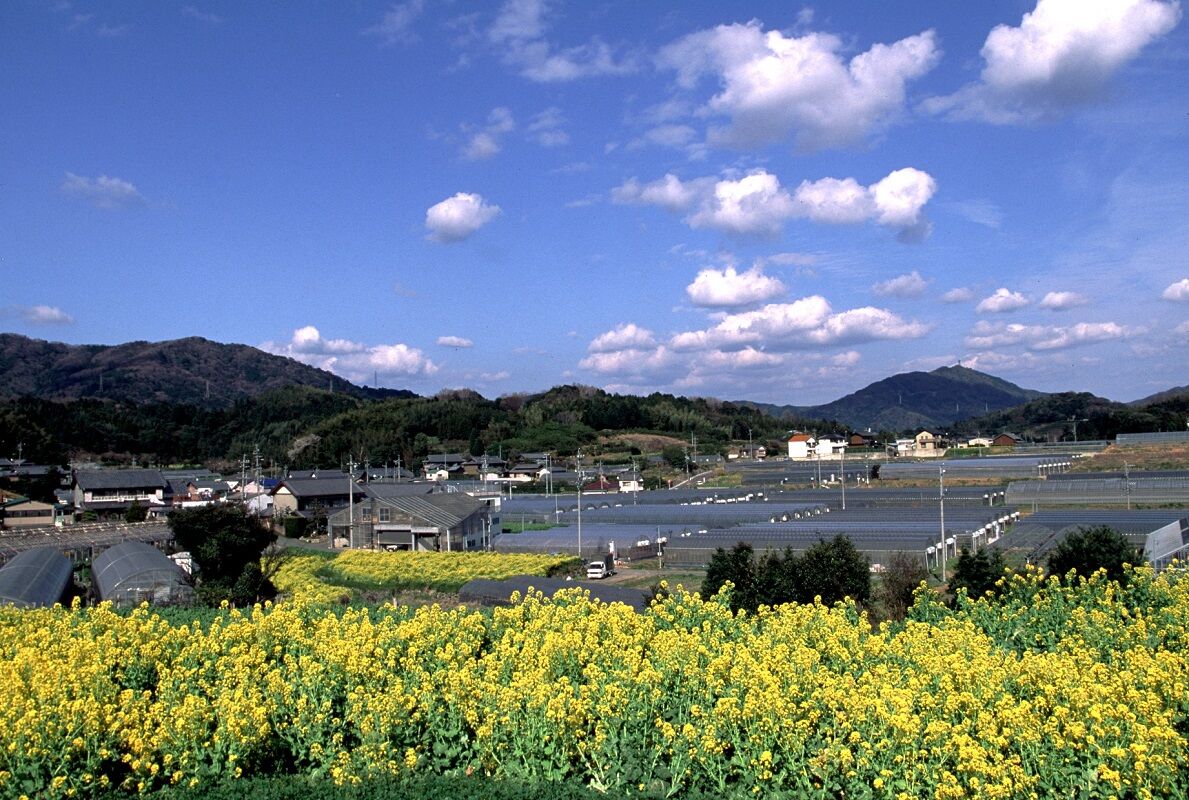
(384, 514)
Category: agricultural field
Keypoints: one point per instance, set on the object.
(1046, 691)
(320, 577)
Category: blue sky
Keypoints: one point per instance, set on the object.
(748, 201)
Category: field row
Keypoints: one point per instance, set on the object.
(319, 577)
(1044, 693)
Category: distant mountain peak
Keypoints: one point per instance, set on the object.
(917, 399)
(192, 370)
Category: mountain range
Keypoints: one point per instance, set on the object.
(194, 371)
(201, 372)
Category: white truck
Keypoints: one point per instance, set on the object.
(602, 568)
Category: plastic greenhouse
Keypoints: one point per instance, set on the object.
(134, 572)
(36, 577)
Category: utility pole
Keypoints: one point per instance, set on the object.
(1127, 483)
(579, 458)
(843, 468)
(350, 507)
(941, 505)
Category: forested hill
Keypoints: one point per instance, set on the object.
(192, 371)
(1052, 417)
(918, 400)
(305, 427)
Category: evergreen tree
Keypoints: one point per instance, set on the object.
(1089, 549)
(833, 570)
(977, 572)
(226, 542)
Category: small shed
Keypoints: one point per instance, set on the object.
(35, 578)
(132, 572)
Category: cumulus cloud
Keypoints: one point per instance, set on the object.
(727, 288)
(958, 295)
(519, 33)
(1182, 329)
(37, 315)
(1062, 54)
(1003, 300)
(910, 285)
(807, 322)
(484, 142)
(102, 192)
(1045, 337)
(454, 341)
(457, 217)
(1178, 291)
(355, 361)
(630, 361)
(625, 336)
(757, 204)
(772, 85)
(1061, 301)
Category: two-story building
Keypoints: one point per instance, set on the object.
(111, 492)
(389, 517)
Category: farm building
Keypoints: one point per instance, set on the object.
(132, 572)
(35, 578)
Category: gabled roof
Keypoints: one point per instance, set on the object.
(445, 458)
(384, 490)
(801, 437)
(119, 479)
(439, 510)
(338, 484)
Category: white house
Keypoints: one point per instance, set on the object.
(799, 445)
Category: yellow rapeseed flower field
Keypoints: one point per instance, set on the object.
(1050, 691)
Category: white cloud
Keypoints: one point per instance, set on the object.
(546, 128)
(807, 322)
(1061, 301)
(958, 295)
(454, 341)
(1045, 337)
(669, 192)
(102, 192)
(847, 359)
(355, 361)
(485, 142)
(1061, 55)
(495, 377)
(457, 217)
(980, 212)
(1182, 329)
(1083, 333)
(910, 285)
(625, 336)
(792, 259)
(397, 23)
(631, 361)
(37, 315)
(1003, 300)
(772, 86)
(202, 16)
(747, 358)
(727, 288)
(757, 204)
(1178, 291)
(753, 205)
(518, 34)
